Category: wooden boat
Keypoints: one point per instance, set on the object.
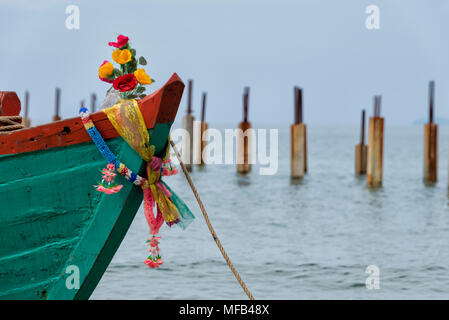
(51, 217)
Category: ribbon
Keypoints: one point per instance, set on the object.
(127, 119)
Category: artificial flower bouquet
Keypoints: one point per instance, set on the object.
(128, 81)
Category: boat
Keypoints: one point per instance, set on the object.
(53, 223)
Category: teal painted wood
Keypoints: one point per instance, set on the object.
(51, 217)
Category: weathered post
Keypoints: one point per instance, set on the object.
(187, 124)
(201, 137)
(9, 103)
(56, 117)
(431, 141)
(244, 138)
(93, 102)
(361, 150)
(10, 107)
(26, 120)
(375, 147)
(298, 139)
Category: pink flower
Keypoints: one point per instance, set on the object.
(153, 264)
(121, 42)
(156, 163)
(108, 175)
(108, 190)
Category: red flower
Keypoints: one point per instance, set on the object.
(125, 83)
(121, 42)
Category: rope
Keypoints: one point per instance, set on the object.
(209, 225)
(11, 123)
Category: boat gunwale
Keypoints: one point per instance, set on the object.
(160, 106)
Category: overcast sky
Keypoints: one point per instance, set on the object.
(269, 45)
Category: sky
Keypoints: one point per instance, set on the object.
(271, 46)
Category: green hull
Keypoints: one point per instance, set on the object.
(52, 218)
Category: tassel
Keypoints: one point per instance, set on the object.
(108, 176)
(154, 260)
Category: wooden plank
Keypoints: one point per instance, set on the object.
(158, 107)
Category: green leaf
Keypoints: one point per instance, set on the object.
(132, 96)
(140, 89)
(152, 80)
(142, 96)
(133, 52)
(142, 61)
(117, 72)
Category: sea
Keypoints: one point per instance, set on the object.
(326, 236)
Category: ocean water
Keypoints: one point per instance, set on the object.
(307, 240)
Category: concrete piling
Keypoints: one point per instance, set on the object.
(187, 125)
(375, 147)
(56, 117)
(244, 138)
(298, 139)
(361, 150)
(93, 102)
(26, 120)
(201, 138)
(431, 141)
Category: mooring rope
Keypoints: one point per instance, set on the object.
(209, 225)
(11, 123)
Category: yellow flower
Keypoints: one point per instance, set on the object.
(105, 70)
(121, 56)
(142, 77)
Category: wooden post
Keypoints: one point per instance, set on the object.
(431, 142)
(93, 102)
(9, 103)
(201, 137)
(298, 139)
(187, 124)
(243, 138)
(375, 147)
(26, 119)
(56, 117)
(10, 106)
(361, 150)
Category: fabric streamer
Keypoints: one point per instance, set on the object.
(127, 119)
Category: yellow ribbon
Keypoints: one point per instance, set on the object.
(128, 120)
